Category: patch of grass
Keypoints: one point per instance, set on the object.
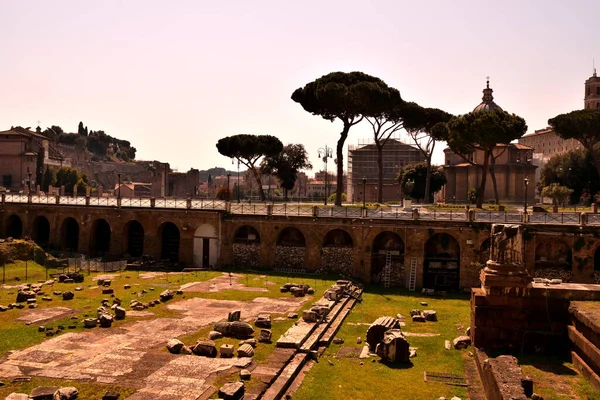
(555, 378)
(87, 390)
(348, 379)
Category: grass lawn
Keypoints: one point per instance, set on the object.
(348, 379)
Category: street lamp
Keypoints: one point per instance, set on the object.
(324, 154)
(228, 176)
(364, 179)
(238, 179)
(526, 183)
(119, 192)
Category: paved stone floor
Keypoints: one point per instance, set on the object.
(134, 356)
(223, 282)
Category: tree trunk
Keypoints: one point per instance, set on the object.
(427, 179)
(340, 163)
(484, 171)
(261, 192)
(493, 176)
(379, 172)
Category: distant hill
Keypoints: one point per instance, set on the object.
(217, 171)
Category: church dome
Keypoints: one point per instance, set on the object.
(487, 103)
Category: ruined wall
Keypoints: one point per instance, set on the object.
(356, 259)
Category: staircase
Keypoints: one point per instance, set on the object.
(385, 275)
(412, 283)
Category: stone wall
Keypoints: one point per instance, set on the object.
(289, 257)
(363, 232)
(246, 255)
(337, 260)
(502, 377)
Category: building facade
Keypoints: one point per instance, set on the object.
(24, 157)
(512, 164)
(362, 163)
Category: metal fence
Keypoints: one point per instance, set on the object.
(555, 218)
(308, 210)
(96, 265)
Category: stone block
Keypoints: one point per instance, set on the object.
(232, 391)
(245, 350)
(226, 350)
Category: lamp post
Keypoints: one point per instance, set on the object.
(526, 184)
(364, 180)
(119, 187)
(228, 177)
(324, 154)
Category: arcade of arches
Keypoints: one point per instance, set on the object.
(446, 255)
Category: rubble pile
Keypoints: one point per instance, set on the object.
(553, 273)
(246, 255)
(290, 257)
(337, 259)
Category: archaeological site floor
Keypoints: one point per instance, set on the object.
(130, 357)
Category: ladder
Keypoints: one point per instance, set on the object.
(412, 283)
(387, 270)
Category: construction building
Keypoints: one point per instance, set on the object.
(362, 163)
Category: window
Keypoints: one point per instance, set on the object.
(598, 90)
(598, 105)
(7, 180)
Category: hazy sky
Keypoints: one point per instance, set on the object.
(174, 76)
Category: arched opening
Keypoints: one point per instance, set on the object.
(290, 249)
(14, 227)
(246, 247)
(169, 235)
(387, 259)
(99, 238)
(484, 251)
(441, 268)
(69, 235)
(553, 260)
(40, 231)
(206, 242)
(337, 252)
(135, 239)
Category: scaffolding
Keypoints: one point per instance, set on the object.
(362, 163)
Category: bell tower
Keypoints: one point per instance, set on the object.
(592, 92)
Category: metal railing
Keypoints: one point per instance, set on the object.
(310, 210)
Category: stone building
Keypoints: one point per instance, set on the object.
(546, 143)
(24, 156)
(362, 163)
(513, 163)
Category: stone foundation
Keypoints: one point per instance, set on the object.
(502, 377)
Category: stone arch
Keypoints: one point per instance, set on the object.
(169, 236)
(441, 266)
(338, 238)
(246, 234)
(206, 244)
(40, 231)
(553, 260)
(14, 227)
(387, 250)
(134, 237)
(246, 246)
(290, 248)
(99, 238)
(69, 235)
(337, 252)
(484, 251)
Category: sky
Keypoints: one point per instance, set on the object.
(173, 77)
